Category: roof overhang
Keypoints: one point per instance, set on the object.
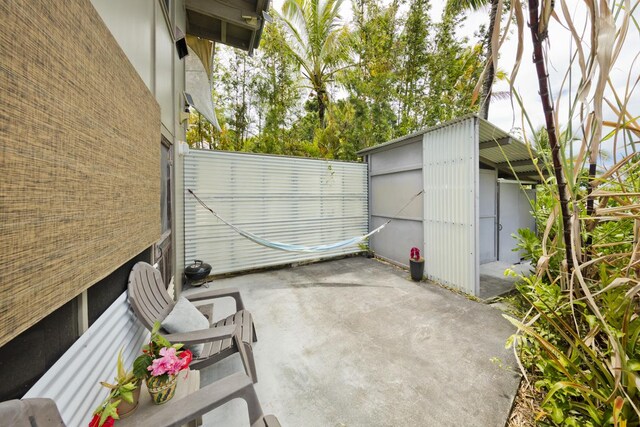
(497, 148)
(237, 23)
(506, 153)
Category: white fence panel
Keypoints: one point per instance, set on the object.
(450, 170)
(290, 200)
(73, 382)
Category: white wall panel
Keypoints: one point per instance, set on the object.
(290, 200)
(132, 24)
(450, 170)
(165, 52)
(391, 192)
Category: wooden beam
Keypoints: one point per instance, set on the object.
(223, 32)
(495, 143)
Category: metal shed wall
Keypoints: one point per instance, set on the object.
(451, 168)
(396, 176)
(290, 200)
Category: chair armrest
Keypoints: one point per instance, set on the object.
(217, 293)
(178, 412)
(203, 335)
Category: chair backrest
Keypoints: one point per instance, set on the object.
(147, 295)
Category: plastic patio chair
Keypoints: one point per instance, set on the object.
(151, 302)
(40, 412)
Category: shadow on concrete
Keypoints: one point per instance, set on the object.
(493, 282)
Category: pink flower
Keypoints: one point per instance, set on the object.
(169, 363)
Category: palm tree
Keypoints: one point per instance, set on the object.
(490, 73)
(317, 40)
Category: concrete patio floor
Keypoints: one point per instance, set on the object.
(354, 342)
(493, 282)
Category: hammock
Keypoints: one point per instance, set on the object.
(299, 248)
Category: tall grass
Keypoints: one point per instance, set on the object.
(579, 338)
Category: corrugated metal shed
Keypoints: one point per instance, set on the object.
(450, 169)
(445, 161)
(286, 199)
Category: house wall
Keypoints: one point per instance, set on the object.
(142, 31)
(396, 177)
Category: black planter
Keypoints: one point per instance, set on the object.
(417, 269)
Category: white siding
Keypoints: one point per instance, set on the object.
(450, 170)
(73, 382)
(290, 200)
(132, 24)
(165, 51)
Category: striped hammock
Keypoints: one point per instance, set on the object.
(298, 248)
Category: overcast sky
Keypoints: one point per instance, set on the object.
(558, 50)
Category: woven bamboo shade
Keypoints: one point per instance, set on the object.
(79, 156)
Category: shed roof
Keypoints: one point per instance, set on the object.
(497, 147)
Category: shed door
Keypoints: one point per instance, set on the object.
(514, 213)
(488, 215)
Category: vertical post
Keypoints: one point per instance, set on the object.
(83, 312)
(474, 129)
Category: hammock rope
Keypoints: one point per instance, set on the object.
(300, 248)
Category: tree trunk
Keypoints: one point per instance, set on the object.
(321, 106)
(547, 106)
(487, 83)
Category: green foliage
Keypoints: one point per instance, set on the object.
(571, 351)
(320, 88)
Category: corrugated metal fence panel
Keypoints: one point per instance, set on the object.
(291, 200)
(73, 382)
(450, 170)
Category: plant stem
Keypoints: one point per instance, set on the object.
(547, 107)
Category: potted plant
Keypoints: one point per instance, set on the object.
(416, 264)
(122, 399)
(160, 364)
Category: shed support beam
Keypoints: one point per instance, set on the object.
(515, 163)
(495, 143)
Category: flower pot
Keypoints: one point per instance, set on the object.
(161, 389)
(125, 408)
(417, 269)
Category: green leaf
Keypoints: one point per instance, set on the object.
(633, 365)
(110, 410)
(127, 396)
(557, 414)
(140, 366)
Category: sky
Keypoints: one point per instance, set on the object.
(558, 51)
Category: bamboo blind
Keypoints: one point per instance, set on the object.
(79, 156)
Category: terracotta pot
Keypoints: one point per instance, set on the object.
(160, 389)
(125, 408)
(417, 269)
